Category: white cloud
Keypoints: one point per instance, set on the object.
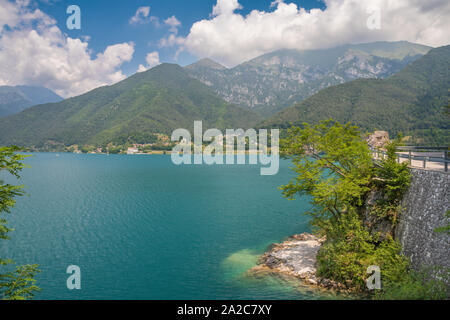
(231, 38)
(226, 7)
(141, 68)
(173, 23)
(173, 39)
(34, 51)
(141, 16)
(275, 3)
(152, 60)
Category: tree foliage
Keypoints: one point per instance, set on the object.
(394, 178)
(415, 285)
(335, 169)
(18, 284)
(351, 249)
(333, 166)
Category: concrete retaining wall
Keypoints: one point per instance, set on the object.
(425, 205)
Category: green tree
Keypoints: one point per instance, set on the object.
(18, 284)
(333, 166)
(392, 179)
(335, 169)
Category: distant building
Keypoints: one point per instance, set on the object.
(132, 150)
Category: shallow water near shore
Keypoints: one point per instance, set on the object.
(140, 227)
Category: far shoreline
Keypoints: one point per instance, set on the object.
(168, 153)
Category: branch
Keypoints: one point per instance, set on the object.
(330, 165)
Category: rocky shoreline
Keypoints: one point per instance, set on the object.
(297, 257)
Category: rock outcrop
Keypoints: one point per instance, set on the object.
(296, 257)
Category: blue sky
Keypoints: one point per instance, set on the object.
(36, 47)
(107, 22)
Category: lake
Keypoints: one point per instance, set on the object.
(140, 227)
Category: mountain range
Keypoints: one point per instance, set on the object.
(411, 102)
(159, 100)
(279, 79)
(168, 97)
(16, 99)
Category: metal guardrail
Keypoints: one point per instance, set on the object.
(431, 156)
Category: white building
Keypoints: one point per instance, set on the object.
(132, 150)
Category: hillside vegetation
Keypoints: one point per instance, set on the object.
(157, 101)
(411, 102)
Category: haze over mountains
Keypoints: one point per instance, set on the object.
(16, 99)
(410, 102)
(276, 80)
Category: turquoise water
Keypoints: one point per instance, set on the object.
(140, 227)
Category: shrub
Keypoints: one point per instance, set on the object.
(350, 250)
(413, 286)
